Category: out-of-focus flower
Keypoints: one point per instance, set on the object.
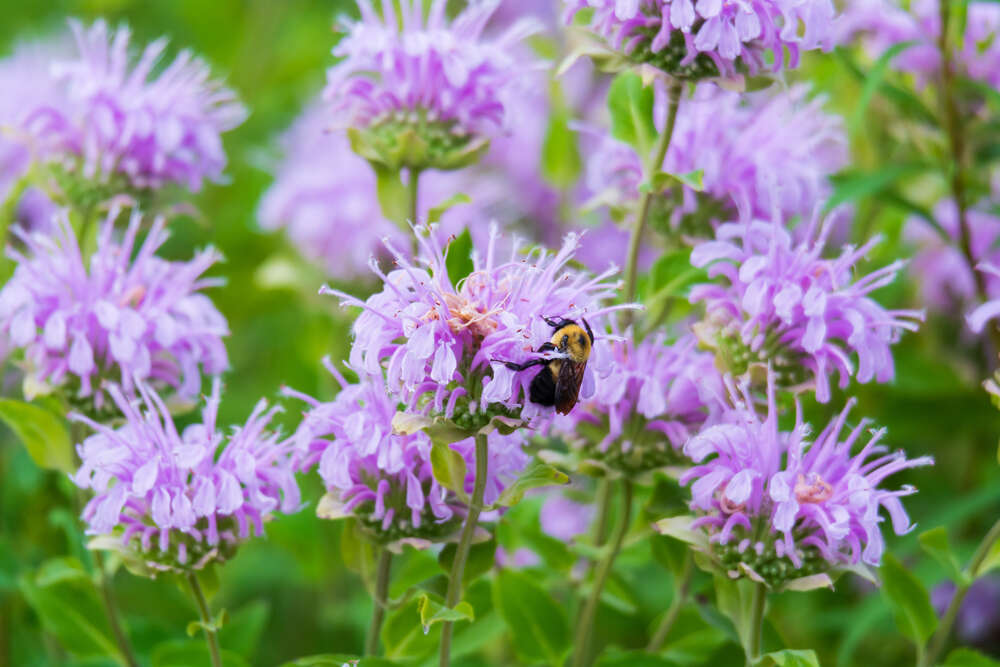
(947, 282)
(978, 619)
(885, 23)
(438, 338)
(654, 398)
(758, 154)
(777, 506)
(518, 559)
(564, 519)
(113, 318)
(119, 119)
(782, 303)
(383, 477)
(421, 91)
(697, 39)
(182, 500)
(990, 310)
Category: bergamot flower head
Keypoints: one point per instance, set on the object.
(179, 500)
(777, 505)
(420, 90)
(441, 339)
(122, 313)
(782, 303)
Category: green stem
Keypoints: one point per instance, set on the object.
(646, 201)
(413, 189)
(208, 625)
(381, 596)
(464, 544)
(681, 589)
(758, 601)
(111, 610)
(940, 637)
(603, 512)
(585, 625)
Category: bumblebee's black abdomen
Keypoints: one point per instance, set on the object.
(543, 388)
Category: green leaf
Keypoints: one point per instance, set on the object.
(186, 653)
(403, 636)
(243, 631)
(480, 560)
(935, 543)
(393, 195)
(66, 601)
(634, 659)
(449, 467)
(458, 259)
(789, 658)
(966, 657)
(537, 623)
(45, 435)
(873, 81)
(538, 475)
(991, 562)
(434, 215)
(663, 180)
(909, 600)
(432, 610)
(561, 163)
(357, 549)
(339, 660)
(631, 106)
(851, 186)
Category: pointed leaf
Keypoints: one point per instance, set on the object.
(433, 611)
(631, 106)
(909, 600)
(539, 475)
(935, 543)
(459, 257)
(537, 623)
(449, 467)
(966, 657)
(789, 658)
(45, 434)
(434, 215)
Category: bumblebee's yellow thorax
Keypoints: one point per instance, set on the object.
(573, 341)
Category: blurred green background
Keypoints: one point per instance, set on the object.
(292, 594)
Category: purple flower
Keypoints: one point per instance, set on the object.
(705, 38)
(415, 72)
(885, 23)
(183, 499)
(113, 318)
(785, 506)
(990, 310)
(947, 282)
(564, 519)
(654, 398)
(438, 339)
(385, 478)
(758, 153)
(121, 119)
(978, 619)
(781, 302)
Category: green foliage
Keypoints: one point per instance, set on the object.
(536, 622)
(459, 259)
(789, 658)
(44, 434)
(909, 600)
(630, 104)
(478, 562)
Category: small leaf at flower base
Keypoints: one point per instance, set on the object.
(482, 556)
(670, 553)
(679, 527)
(539, 475)
(789, 658)
(810, 583)
(935, 543)
(66, 601)
(662, 180)
(631, 106)
(537, 623)
(356, 549)
(392, 195)
(189, 652)
(966, 657)
(331, 507)
(433, 611)
(45, 434)
(449, 467)
(434, 215)
(909, 600)
(458, 259)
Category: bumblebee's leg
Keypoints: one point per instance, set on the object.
(514, 366)
(590, 332)
(557, 323)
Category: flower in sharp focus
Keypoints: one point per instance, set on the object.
(113, 318)
(781, 302)
(758, 153)
(180, 500)
(439, 340)
(784, 506)
(655, 397)
(882, 24)
(698, 39)
(421, 91)
(385, 478)
(119, 119)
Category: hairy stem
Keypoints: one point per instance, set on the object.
(585, 624)
(758, 601)
(603, 512)
(208, 625)
(681, 589)
(381, 596)
(940, 637)
(111, 610)
(413, 189)
(464, 544)
(646, 201)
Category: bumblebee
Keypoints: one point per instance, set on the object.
(558, 383)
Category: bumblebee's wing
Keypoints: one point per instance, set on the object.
(568, 382)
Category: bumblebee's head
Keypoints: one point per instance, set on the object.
(571, 339)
